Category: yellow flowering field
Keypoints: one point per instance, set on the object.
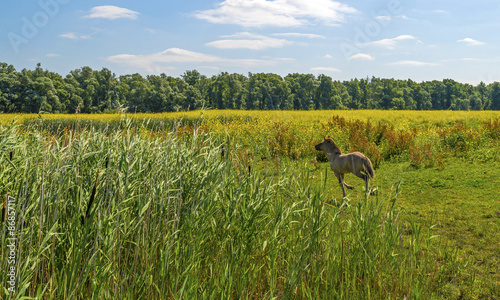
(387, 116)
(423, 137)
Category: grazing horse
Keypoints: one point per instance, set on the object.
(341, 164)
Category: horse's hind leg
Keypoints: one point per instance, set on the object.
(361, 175)
(348, 186)
(345, 184)
(366, 179)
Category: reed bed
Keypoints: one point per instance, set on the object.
(123, 214)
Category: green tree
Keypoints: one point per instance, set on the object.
(192, 77)
(159, 95)
(482, 89)
(303, 87)
(73, 94)
(355, 93)
(138, 91)
(422, 98)
(267, 91)
(365, 101)
(438, 94)
(39, 91)
(107, 97)
(9, 88)
(376, 90)
(328, 94)
(475, 101)
(344, 97)
(410, 102)
(495, 96)
(87, 88)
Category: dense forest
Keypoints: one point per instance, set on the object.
(91, 91)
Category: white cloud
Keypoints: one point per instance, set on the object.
(247, 40)
(300, 35)
(412, 63)
(155, 61)
(362, 56)
(281, 13)
(284, 59)
(52, 55)
(112, 12)
(384, 18)
(391, 43)
(471, 42)
(325, 69)
(327, 56)
(471, 59)
(75, 36)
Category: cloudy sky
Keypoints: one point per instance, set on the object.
(420, 40)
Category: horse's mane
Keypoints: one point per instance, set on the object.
(330, 141)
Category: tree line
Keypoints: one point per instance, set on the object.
(94, 91)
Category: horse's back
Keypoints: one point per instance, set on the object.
(347, 163)
(357, 154)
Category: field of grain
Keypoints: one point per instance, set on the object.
(239, 205)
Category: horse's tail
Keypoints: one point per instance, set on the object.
(367, 164)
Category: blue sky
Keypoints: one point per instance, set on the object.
(417, 39)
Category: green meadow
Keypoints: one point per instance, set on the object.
(210, 206)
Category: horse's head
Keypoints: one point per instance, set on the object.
(318, 146)
(328, 146)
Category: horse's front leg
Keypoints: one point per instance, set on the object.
(340, 177)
